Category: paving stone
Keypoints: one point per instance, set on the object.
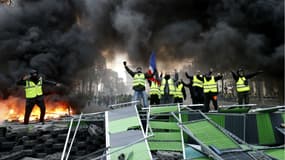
(39, 147)
(41, 155)
(3, 139)
(61, 137)
(29, 152)
(13, 156)
(11, 136)
(18, 148)
(3, 131)
(45, 137)
(29, 143)
(7, 145)
(48, 150)
(81, 144)
(58, 146)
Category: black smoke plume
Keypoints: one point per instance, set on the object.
(62, 37)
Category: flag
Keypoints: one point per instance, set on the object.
(152, 67)
(152, 62)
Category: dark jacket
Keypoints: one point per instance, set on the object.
(183, 91)
(23, 82)
(236, 76)
(189, 85)
(200, 77)
(132, 73)
(208, 77)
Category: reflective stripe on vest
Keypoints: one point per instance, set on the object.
(170, 85)
(139, 79)
(241, 86)
(210, 86)
(154, 89)
(33, 90)
(178, 91)
(197, 82)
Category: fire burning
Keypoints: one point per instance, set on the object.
(13, 109)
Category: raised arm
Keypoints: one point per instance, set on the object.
(235, 77)
(188, 76)
(186, 85)
(218, 77)
(128, 69)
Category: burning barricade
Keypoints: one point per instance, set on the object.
(13, 110)
(46, 141)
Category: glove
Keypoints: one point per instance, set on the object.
(125, 63)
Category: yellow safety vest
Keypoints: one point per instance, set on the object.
(178, 91)
(154, 89)
(241, 86)
(170, 86)
(197, 82)
(33, 90)
(139, 79)
(210, 86)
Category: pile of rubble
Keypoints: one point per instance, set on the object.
(47, 141)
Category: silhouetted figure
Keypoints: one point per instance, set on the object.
(242, 85)
(210, 90)
(197, 87)
(34, 93)
(139, 79)
(180, 93)
(167, 89)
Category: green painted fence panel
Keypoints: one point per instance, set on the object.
(210, 135)
(265, 129)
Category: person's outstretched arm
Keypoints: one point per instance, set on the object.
(188, 76)
(51, 82)
(128, 69)
(218, 77)
(186, 85)
(248, 76)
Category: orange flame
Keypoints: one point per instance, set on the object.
(13, 109)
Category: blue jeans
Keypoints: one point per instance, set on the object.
(141, 95)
